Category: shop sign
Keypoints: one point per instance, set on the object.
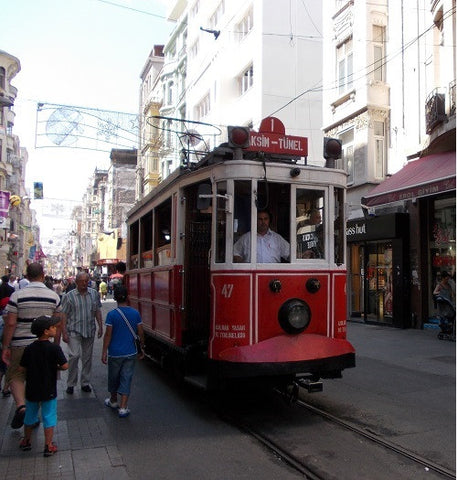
(356, 229)
(385, 226)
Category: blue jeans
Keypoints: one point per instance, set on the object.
(120, 374)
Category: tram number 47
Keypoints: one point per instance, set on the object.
(227, 290)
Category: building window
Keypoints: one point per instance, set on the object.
(245, 26)
(203, 108)
(347, 139)
(153, 164)
(170, 93)
(246, 80)
(194, 49)
(344, 66)
(217, 15)
(2, 77)
(379, 140)
(168, 128)
(194, 9)
(379, 71)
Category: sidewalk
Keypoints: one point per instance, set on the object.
(87, 449)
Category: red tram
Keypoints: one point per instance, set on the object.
(216, 316)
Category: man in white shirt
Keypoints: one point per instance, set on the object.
(271, 247)
(23, 282)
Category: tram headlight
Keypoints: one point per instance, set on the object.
(294, 315)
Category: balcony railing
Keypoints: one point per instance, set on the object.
(435, 112)
(452, 98)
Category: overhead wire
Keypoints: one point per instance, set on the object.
(319, 86)
(363, 72)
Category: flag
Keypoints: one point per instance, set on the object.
(4, 203)
(38, 190)
(39, 254)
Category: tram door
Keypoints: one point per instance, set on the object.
(196, 270)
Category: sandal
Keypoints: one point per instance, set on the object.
(18, 419)
(25, 445)
(50, 450)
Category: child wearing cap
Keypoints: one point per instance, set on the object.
(41, 360)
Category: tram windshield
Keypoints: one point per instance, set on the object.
(285, 227)
(272, 228)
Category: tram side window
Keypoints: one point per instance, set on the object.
(339, 228)
(163, 233)
(221, 222)
(310, 223)
(146, 240)
(242, 215)
(133, 245)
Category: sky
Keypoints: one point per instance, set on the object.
(86, 53)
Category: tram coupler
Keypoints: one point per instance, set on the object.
(310, 385)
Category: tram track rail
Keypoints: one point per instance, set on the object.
(376, 438)
(285, 456)
(314, 473)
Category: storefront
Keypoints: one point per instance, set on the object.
(378, 286)
(442, 238)
(425, 189)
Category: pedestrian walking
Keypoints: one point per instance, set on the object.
(103, 289)
(5, 389)
(40, 361)
(23, 282)
(120, 352)
(5, 288)
(81, 309)
(24, 305)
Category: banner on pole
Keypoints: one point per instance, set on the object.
(4, 203)
(82, 127)
(38, 190)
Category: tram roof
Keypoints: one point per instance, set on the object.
(219, 155)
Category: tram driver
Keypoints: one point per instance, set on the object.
(271, 247)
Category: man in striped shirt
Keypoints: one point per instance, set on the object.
(81, 308)
(23, 307)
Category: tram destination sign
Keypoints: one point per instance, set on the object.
(278, 143)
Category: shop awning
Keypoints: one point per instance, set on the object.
(426, 176)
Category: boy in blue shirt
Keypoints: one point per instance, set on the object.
(120, 351)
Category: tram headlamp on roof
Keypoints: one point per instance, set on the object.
(294, 316)
(238, 137)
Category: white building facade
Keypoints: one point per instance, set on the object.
(389, 95)
(235, 63)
